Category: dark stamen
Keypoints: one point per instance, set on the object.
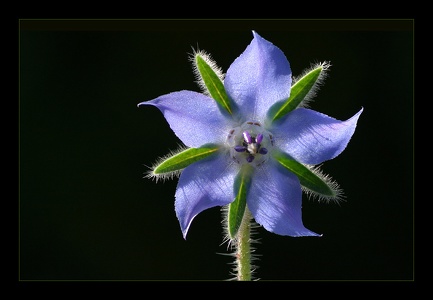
(263, 151)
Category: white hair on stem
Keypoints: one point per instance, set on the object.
(232, 244)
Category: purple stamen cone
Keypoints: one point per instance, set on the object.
(250, 158)
(240, 149)
(247, 137)
(263, 151)
(259, 138)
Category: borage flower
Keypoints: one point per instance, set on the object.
(252, 143)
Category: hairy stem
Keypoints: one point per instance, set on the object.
(243, 249)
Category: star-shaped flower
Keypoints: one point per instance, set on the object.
(251, 141)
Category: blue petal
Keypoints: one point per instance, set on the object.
(202, 185)
(258, 78)
(275, 201)
(312, 137)
(194, 117)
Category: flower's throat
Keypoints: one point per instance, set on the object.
(249, 143)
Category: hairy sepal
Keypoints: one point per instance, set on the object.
(236, 209)
(172, 164)
(313, 181)
(303, 89)
(210, 78)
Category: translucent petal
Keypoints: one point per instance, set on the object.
(202, 185)
(311, 137)
(258, 78)
(275, 201)
(194, 117)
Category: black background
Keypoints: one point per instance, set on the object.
(87, 213)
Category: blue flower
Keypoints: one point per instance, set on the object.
(243, 138)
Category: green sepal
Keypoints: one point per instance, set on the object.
(298, 93)
(213, 83)
(307, 178)
(237, 207)
(184, 158)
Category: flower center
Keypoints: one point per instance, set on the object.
(250, 143)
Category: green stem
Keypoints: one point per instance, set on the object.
(243, 249)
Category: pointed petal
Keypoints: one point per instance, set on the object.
(194, 117)
(311, 137)
(202, 185)
(275, 201)
(258, 78)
